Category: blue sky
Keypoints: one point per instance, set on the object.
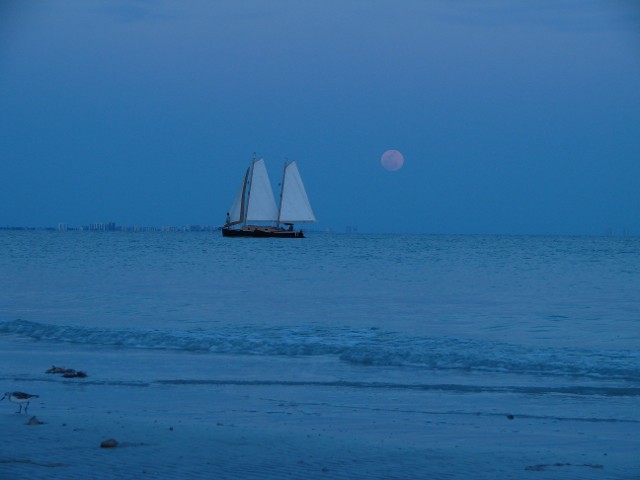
(513, 117)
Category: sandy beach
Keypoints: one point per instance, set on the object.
(215, 424)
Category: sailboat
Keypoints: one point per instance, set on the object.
(255, 202)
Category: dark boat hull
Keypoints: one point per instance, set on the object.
(261, 232)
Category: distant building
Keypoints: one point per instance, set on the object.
(103, 227)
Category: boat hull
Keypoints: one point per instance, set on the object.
(261, 232)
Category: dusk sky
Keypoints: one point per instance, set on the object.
(514, 117)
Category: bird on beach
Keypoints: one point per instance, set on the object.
(20, 398)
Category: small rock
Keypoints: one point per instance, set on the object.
(110, 443)
(34, 421)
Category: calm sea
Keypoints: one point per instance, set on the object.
(516, 310)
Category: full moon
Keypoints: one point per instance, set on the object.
(392, 160)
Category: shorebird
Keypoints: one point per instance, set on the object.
(20, 398)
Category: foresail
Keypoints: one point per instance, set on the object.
(237, 209)
(261, 204)
(294, 204)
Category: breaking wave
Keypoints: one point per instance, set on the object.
(372, 347)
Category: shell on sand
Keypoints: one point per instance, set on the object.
(34, 421)
(55, 369)
(110, 443)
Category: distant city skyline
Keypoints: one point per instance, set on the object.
(346, 229)
(511, 117)
(113, 227)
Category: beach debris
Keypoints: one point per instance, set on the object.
(67, 372)
(109, 443)
(20, 398)
(34, 421)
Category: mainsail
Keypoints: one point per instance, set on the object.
(261, 207)
(294, 203)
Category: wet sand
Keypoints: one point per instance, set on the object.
(174, 417)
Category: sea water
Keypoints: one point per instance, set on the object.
(486, 319)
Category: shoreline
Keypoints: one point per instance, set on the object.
(269, 430)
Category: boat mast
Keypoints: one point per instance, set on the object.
(284, 176)
(250, 181)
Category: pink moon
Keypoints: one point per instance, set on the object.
(392, 160)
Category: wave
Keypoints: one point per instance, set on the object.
(372, 347)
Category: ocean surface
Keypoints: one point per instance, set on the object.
(546, 325)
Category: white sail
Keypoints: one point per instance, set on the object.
(261, 205)
(294, 203)
(236, 213)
